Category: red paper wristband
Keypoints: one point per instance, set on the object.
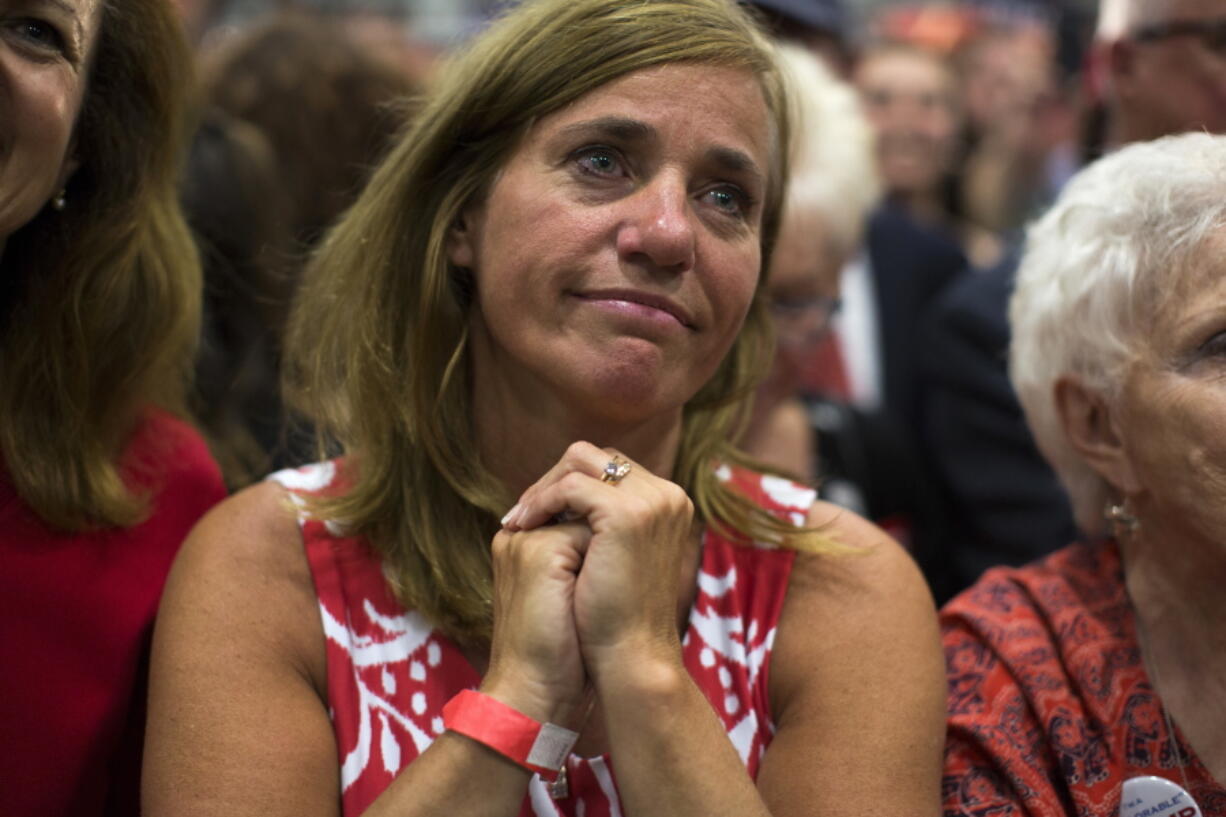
(538, 747)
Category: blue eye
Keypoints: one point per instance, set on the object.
(729, 200)
(599, 162)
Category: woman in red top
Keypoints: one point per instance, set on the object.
(1104, 663)
(99, 310)
(545, 309)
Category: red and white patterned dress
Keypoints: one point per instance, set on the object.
(390, 672)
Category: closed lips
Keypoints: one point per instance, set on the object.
(642, 298)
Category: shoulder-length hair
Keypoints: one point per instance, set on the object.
(102, 300)
(377, 354)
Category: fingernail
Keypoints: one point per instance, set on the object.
(511, 514)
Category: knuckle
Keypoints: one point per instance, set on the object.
(579, 450)
(681, 502)
(640, 508)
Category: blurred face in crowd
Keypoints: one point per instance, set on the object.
(803, 291)
(1169, 74)
(44, 53)
(909, 98)
(618, 250)
(1006, 74)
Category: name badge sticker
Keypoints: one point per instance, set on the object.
(1156, 797)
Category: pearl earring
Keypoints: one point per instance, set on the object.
(1120, 517)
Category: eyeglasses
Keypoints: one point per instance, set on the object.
(1211, 32)
(801, 321)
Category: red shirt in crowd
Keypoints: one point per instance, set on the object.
(76, 615)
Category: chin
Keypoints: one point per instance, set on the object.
(629, 395)
(626, 391)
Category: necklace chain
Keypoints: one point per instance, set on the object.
(1151, 668)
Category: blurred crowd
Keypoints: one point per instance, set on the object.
(928, 138)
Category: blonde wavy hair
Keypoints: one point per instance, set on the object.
(377, 348)
(101, 302)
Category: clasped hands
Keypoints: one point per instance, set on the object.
(577, 599)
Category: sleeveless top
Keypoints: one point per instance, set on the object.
(76, 620)
(1050, 706)
(390, 672)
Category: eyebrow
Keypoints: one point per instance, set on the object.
(617, 127)
(736, 161)
(624, 129)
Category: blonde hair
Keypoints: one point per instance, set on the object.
(377, 353)
(102, 300)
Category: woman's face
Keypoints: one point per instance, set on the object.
(909, 98)
(44, 50)
(1173, 404)
(618, 250)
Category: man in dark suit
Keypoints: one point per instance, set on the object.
(1002, 502)
(868, 417)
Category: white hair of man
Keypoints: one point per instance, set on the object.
(833, 167)
(1116, 18)
(1093, 270)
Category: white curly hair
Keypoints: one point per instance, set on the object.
(833, 167)
(1120, 232)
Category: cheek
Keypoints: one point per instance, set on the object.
(739, 287)
(50, 101)
(1180, 436)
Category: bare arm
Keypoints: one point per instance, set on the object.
(238, 719)
(858, 684)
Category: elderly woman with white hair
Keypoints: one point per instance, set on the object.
(1091, 683)
(833, 188)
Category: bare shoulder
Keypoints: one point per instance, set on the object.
(253, 523)
(867, 593)
(256, 525)
(869, 568)
(244, 562)
(857, 682)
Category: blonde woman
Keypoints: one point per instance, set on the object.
(540, 580)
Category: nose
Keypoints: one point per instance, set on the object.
(658, 229)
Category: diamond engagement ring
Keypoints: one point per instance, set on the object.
(615, 471)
